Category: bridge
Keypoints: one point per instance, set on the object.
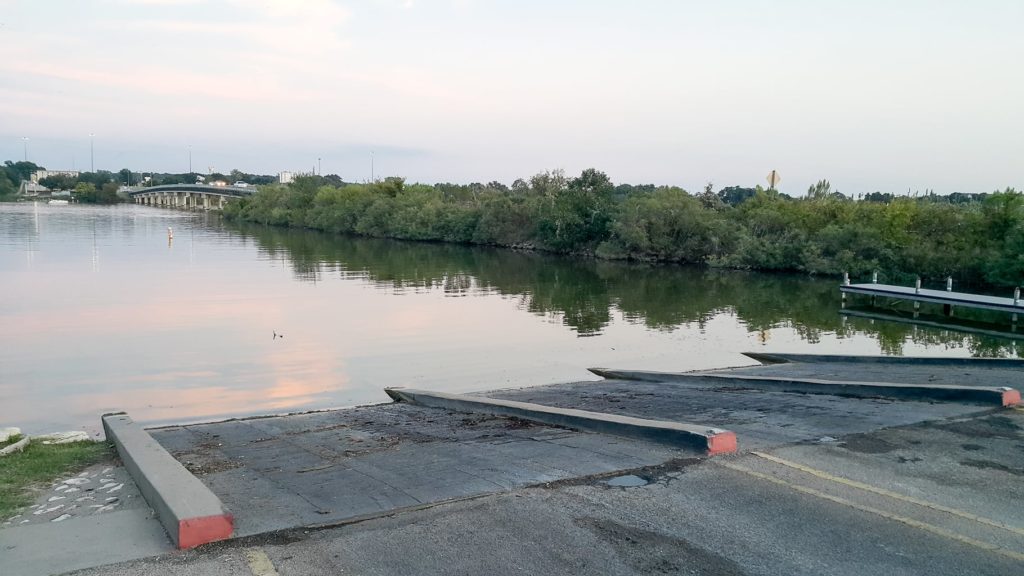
(189, 196)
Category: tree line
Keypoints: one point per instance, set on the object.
(976, 239)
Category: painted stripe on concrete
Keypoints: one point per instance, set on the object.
(259, 563)
(188, 510)
(937, 530)
(1000, 395)
(888, 493)
(783, 357)
(711, 440)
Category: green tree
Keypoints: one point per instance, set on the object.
(580, 214)
(820, 190)
(7, 188)
(88, 193)
(59, 182)
(21, 170)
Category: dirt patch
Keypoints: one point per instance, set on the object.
(205, 459)
(327, 428)
(207, 466)
(650, 552)
(867, 444)
(990, 427)
(513, 423)
(989, 465)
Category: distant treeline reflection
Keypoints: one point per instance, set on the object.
(584, 294)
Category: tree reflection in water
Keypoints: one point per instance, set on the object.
(583, 294)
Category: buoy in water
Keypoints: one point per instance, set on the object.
(170, 233)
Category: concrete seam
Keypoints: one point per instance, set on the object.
(384, 482)
(479, 477)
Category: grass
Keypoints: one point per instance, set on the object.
(40, 463)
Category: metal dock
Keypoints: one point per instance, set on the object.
(944, 297)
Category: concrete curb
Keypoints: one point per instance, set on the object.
(189, 511)
(782, 358)
(712, 440)
(983, 394)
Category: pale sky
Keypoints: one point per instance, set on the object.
(872, 95)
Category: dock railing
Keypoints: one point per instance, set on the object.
(948, 298)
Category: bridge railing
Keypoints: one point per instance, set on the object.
(202, 188)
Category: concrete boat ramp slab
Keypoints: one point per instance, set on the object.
(322, 468)
(326, 468)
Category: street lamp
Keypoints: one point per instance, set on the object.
(24, 141)
(190, 160)
(92, 154)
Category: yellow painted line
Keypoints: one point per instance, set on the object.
(894, 495)
(259, 562)
(888, 515)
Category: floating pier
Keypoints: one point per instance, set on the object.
(948, 298)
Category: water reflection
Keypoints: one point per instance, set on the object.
(584, 294)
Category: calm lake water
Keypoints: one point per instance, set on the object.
(100, 312)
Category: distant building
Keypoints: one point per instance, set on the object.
(285, 177)
(40, 174)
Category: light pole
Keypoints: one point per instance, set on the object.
(24, 141)
(92, 154)
(319, 170)
(190, 160)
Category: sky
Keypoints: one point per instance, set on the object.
(892, 96)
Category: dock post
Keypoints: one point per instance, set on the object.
(874, 277)
(1016, 296)
(947, 309)
(917, 290)
(846, 278)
